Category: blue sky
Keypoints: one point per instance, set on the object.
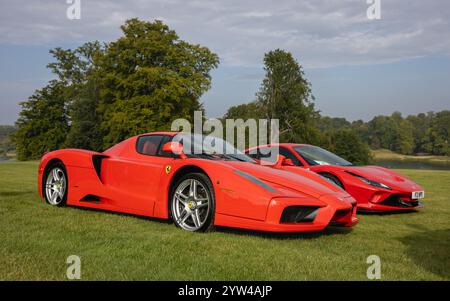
(358, 67)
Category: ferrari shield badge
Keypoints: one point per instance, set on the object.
(168, 169)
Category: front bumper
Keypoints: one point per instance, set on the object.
(342, 214)
(391, 201)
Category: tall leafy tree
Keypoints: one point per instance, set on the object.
(150, 77)
(421, 131)
(43, 123)
(285, 94)
(6, 145)
(247, 111)
(439, 131)
(77, 71)
(346, 143)
(391, 132)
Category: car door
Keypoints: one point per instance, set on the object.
(133, 178)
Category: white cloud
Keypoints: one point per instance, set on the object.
(320, 33)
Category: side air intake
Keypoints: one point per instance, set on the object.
(97, 162)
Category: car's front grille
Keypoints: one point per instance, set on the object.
(397, 200)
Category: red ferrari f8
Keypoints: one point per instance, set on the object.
(374, 188)
(157, 176)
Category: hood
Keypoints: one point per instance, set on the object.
(306, 182)
(385, 176)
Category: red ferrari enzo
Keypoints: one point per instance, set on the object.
(157, 176)
(374, 188)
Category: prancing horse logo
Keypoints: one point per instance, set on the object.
(168, 169)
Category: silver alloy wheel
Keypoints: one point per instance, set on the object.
(190, 204)
(55, 186)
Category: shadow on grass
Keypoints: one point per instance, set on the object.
(141, 217)
(388, 212)
(14, 193)
(285, 236)
(430, 250)
(235, 231)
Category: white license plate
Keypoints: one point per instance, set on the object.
(418, 195)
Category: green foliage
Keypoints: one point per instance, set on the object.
(341, 137)
(149, 78)
(421, 132)
(328, 124)
(43, 123)
(285, 94)
(252, 110)
(6, 143)
(106, 93)
(85, 131)
(417, 134)
(439, 133)
(347, 144)
(391, 132)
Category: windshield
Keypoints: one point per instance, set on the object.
(315, 155)
(209, 147)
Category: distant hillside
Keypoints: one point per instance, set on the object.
(6, 145)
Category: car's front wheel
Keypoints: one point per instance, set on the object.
(55, 184)
(193, 202)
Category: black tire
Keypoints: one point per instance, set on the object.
(208, 223)
(61, 197)
(333, 179)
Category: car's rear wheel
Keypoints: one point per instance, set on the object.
(193, 202)
(55, 184)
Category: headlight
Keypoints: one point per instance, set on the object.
(255, 180)
(373, 183)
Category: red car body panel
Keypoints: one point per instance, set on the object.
(368, 197)
(123, 180)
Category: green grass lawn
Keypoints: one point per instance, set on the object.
(36, 239)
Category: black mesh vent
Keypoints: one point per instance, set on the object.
(396, 200)
(299, 214)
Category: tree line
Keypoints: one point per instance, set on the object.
(106, 92)
(424, 133)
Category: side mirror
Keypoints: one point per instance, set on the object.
(288, 162)
(174, 148)
(283, 161)
(280, 160)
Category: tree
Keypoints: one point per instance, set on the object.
(391, 132)
(85, 132)
(77, 70)
(421, 132)
(247, 111)
(403, 141)
(347, 144)
(285, 94)
(43, 123)
(326, 123)
(6, 145)
(439, 131)
(150, 77)
(105, 93)
(361, 129)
